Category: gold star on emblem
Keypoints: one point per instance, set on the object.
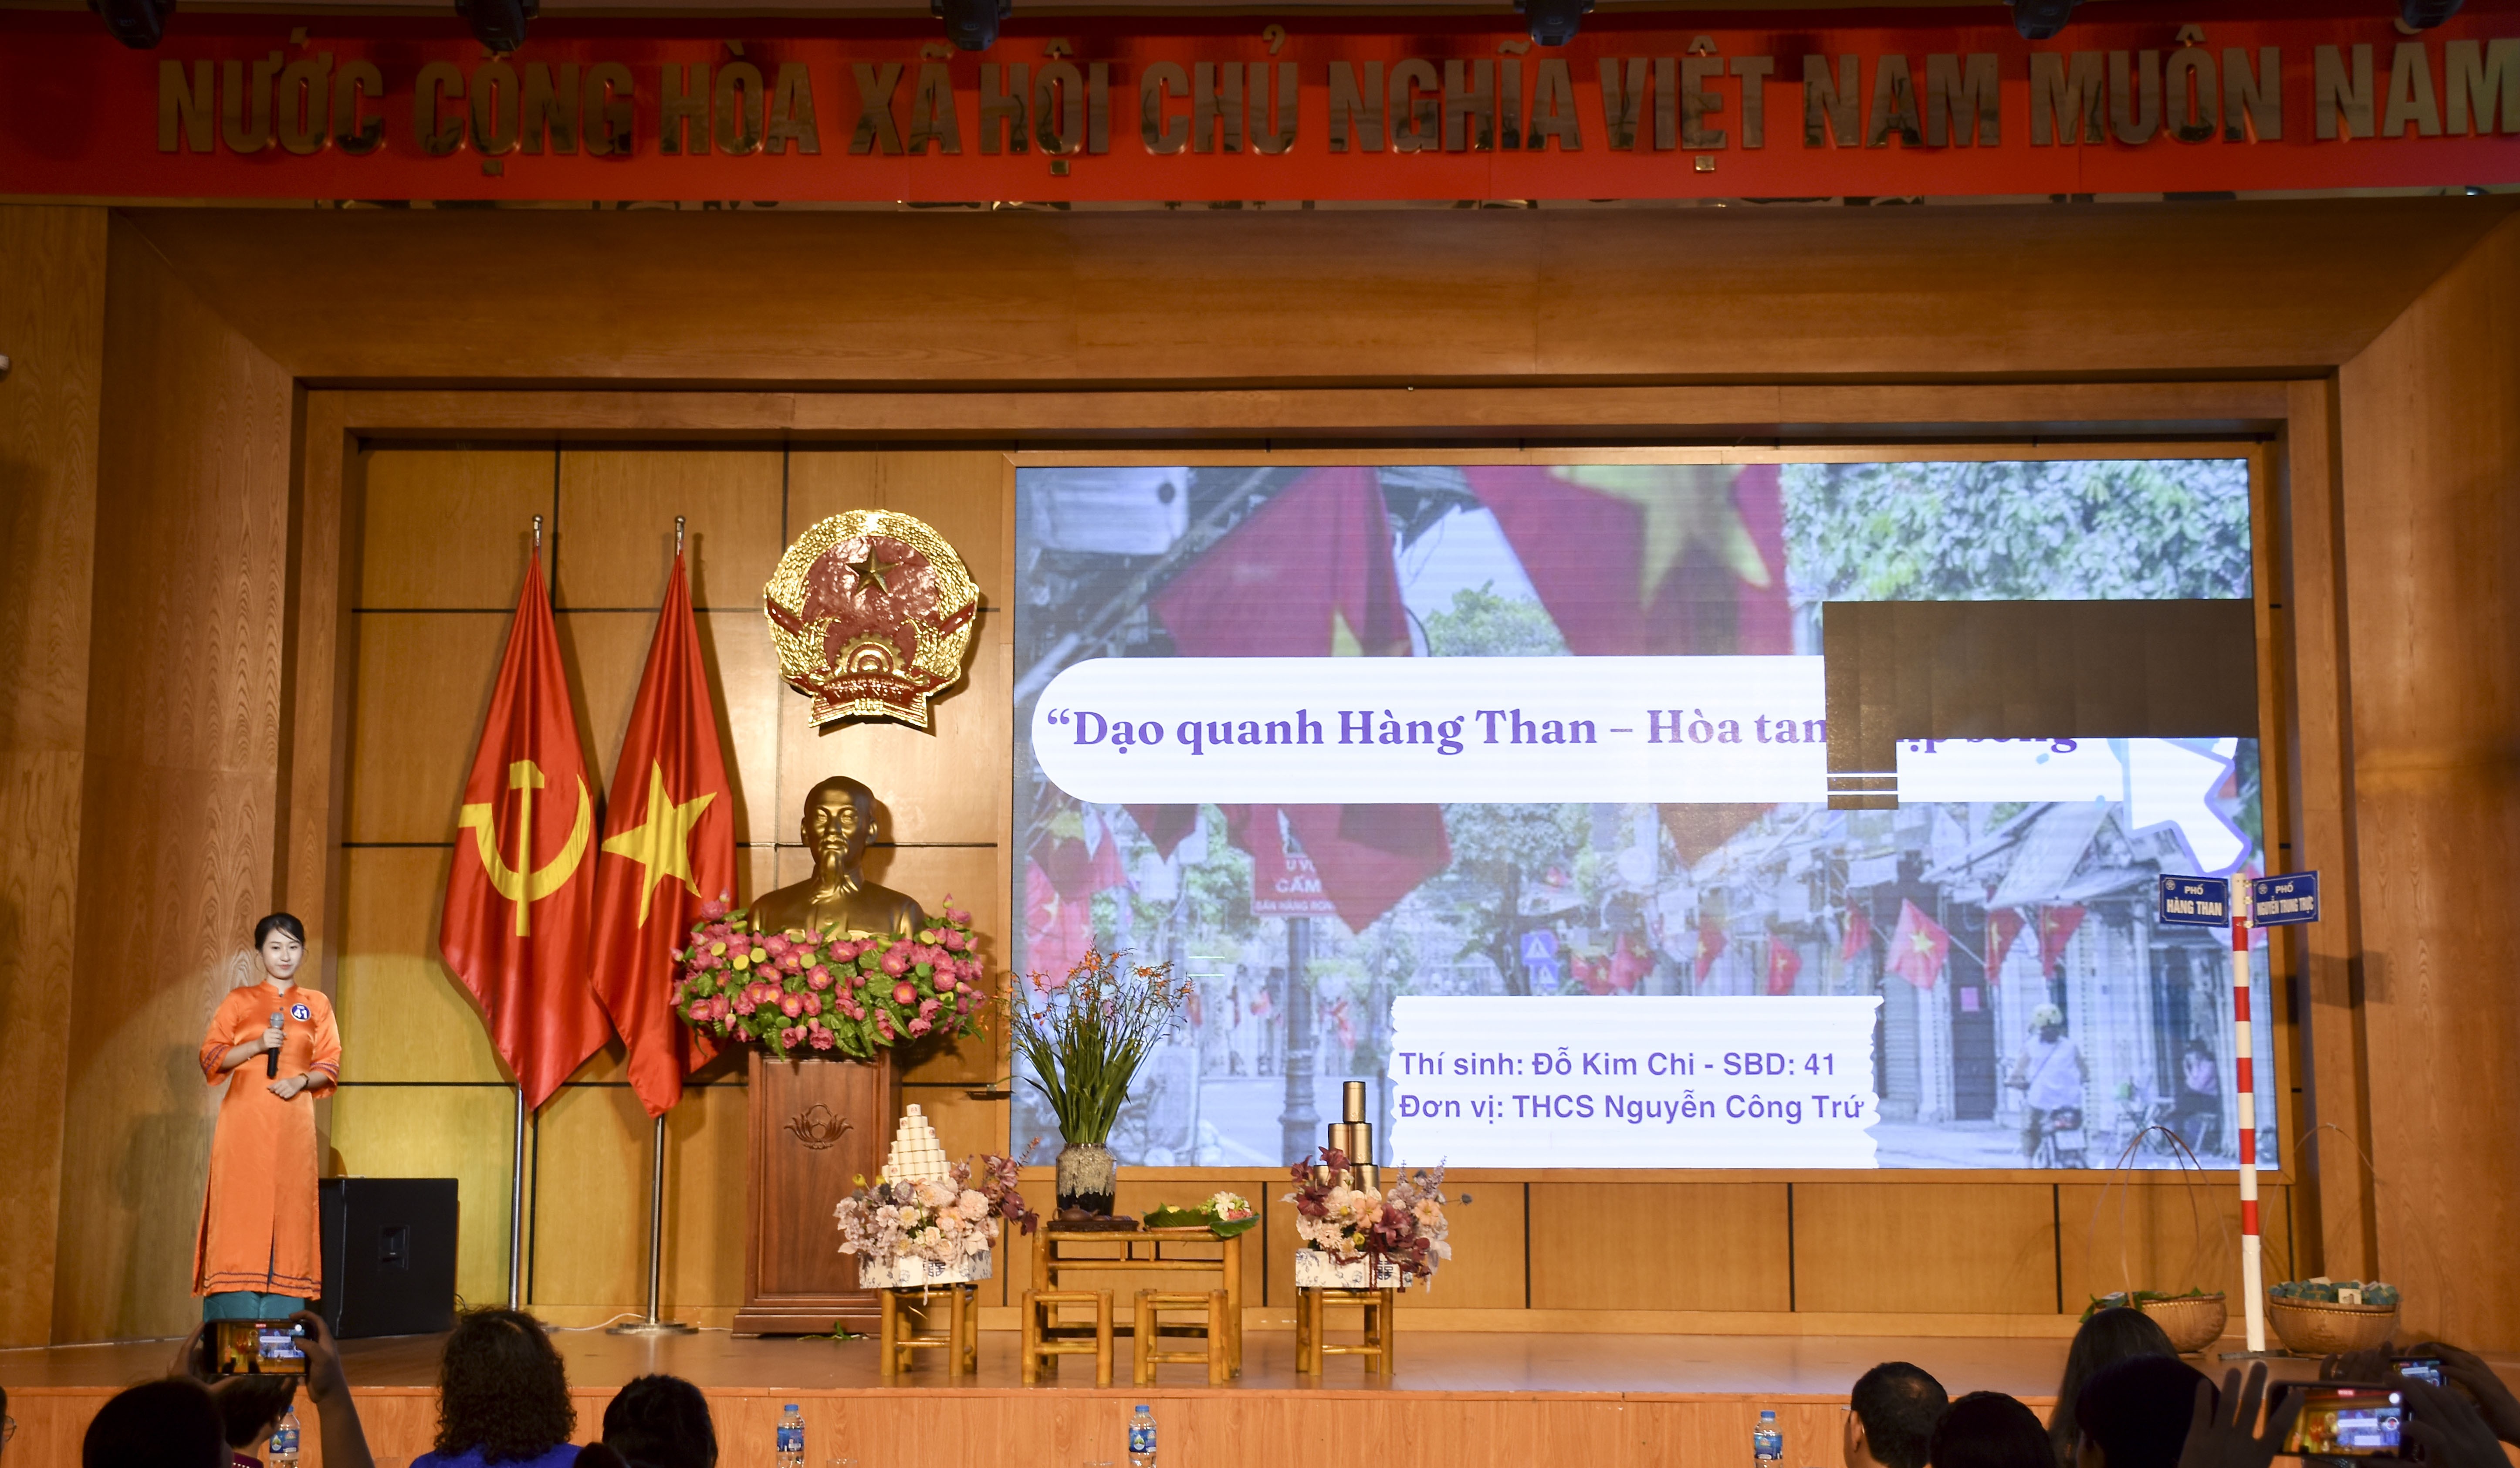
(1920, 943)
(871, 572)
(1681, 504)
(662, 847)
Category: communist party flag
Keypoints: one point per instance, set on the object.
(518, 899)
(1918, 947)
(669, 847)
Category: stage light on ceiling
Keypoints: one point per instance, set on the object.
(2424, 15)
(499, 24)
(971, 24)
(2039, 19)
(136, 24)
(1554, 22)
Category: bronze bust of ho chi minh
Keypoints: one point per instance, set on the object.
(838, 900)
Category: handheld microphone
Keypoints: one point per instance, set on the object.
(271, 1058)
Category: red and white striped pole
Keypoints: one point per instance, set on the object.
(2252, 1277)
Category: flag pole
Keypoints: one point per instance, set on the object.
(517, 1201)
(652, 1326)
(2253, 1288)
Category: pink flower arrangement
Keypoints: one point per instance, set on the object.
(807, 990)
(1402, 1226)
(947, 1222)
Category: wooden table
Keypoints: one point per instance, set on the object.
(1057, 1246)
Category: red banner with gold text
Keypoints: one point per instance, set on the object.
(2130, 98)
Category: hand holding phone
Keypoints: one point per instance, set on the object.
(243, 1348)
(2473, 1376)
(2452, 1433)
(2223, 1434)
(2348, 1419)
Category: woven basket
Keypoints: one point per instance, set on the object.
(2191, 1322)
(2314, 1328)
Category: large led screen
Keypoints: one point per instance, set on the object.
(1503, 789)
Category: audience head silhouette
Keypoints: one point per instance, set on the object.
(1892, 1425)
(502, 1396)
(1989, 1430)
(2108, 1337)
(2135, 1413)
(173, 1423)
(661, 1422)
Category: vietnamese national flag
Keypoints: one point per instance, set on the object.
(2002, 925)
(1057, 930)
(669, 847)
(1918, 947)
(1859, 934)
(1784, 963)
(2056, 928)
(1710, 945)
(523, 882)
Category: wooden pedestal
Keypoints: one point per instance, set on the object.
(815, 1127)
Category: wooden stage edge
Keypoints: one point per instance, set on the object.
(1458, 1397)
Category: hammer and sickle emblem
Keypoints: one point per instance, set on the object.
(524, 883)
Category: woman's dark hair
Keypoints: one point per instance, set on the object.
(2138, 1410)
(171, 1423)
(661, 1422)
(2109, 1336)
(250, 1404)
(1989, 1430)
(501, 1387)
(279, 922)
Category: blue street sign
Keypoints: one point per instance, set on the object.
(2275, 901)
(1540, 946)
(2202, 902)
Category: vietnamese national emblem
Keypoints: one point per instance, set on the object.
(871, 612)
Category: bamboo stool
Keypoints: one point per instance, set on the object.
(1309, 1345)
(1147, 1345)
(961, 1341)
(1044, 1339)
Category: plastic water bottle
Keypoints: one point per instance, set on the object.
(1766, 1443)
(1142, 1439)
(792, 1439)
(282, 1450)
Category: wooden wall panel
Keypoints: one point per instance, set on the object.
(1487, 1231)
(424, 685)
(2430, 433)
(451, 527)
(1924, 1247)
(617, 509)
(404, 1014)
(1704, 1246)
(52, 308)
(440, 1131)
(2166, 1239)
(178, 803)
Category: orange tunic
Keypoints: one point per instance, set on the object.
(260, 1228)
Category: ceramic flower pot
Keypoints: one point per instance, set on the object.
(1087, 1177)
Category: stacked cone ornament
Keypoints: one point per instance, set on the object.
(916, 1156)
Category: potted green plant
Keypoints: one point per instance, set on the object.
(1085, 1034)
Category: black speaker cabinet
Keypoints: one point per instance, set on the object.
(388, 1255)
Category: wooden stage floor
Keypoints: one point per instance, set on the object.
(1458, 1399)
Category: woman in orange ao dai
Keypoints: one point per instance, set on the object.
(259, 1256)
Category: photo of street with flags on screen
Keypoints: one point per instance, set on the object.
(1405, 766)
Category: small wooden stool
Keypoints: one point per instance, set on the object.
(961, 1341)
(1375, 1348)
(1044, 1339)
(1213, 1328)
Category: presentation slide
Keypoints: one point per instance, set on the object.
(1503, 789)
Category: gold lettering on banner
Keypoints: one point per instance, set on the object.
(2410, 94)
(1356, 106)
(183, 111)
(1894, 105)
(1622, 102)
(439, 135)
(498, 110)
(1267, 134)
(2066, 101)
(2338, 98)
(243, 130)
(1469, 106)
(549, 112)
(1665, 103)
(2253, 104)
(2479, 81)
(1158, 85)
(1215, 108)
(1829, 102)
(1098, 108)
(683, 110)
(1002, 108)
(1964, 106)
(608, 115)
(1754, 71)
(737, 102)
(875, 126)
(303, 108)
(1059, 109)
(353, 131)
(1697, 104)
(1552, 107)
(791, 112)
(2195, 107)
(1417, 97)
(2134, 120)
(1509, 105)
(931, 113)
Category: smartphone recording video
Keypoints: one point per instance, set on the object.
(2424, 1369)
(2339, 1421)
(256, 1348)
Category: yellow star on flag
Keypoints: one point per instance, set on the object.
(1681, 504)
(662, 847)
(1920, 943)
